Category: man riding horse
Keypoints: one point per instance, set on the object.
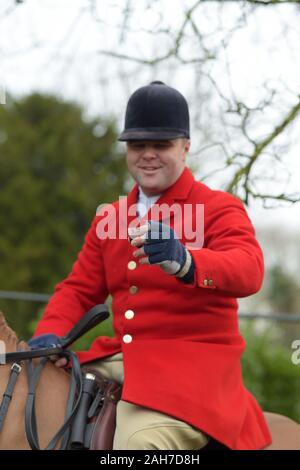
(177, 345)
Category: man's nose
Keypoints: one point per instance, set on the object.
(149, 153)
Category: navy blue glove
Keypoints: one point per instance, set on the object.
(163, 247)
(48, 340)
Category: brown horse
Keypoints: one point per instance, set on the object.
(51, 401)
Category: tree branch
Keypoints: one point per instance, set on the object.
(244, 171)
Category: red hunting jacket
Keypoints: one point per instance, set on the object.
(184, 349)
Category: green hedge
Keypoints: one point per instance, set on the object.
(269, 372)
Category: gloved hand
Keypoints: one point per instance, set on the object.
(48, 340)
(159, 242)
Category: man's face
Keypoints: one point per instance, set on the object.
(156, 165)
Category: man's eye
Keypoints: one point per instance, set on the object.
(161, 145)
(141, 146)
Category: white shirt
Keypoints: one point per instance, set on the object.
(145, 202)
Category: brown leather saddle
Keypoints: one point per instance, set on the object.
(101, 418)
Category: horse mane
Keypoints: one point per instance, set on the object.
(9, 337)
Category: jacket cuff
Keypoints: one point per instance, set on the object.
(186, 274)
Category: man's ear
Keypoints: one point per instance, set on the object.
(187, 144)
(186, 147)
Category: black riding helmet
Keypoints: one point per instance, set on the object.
(156, 112)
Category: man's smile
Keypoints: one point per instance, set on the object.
(149, 169)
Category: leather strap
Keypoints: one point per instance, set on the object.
(32, 353)
(69, 408)
(30, 420)
(7, 395)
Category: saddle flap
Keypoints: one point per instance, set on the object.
(105, 423)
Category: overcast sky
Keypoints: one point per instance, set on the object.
(53, 46)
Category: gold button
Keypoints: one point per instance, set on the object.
(131, 265)
(129, 314)
(127, 339)
(210, 282)
(133, 289)
(205, 282)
